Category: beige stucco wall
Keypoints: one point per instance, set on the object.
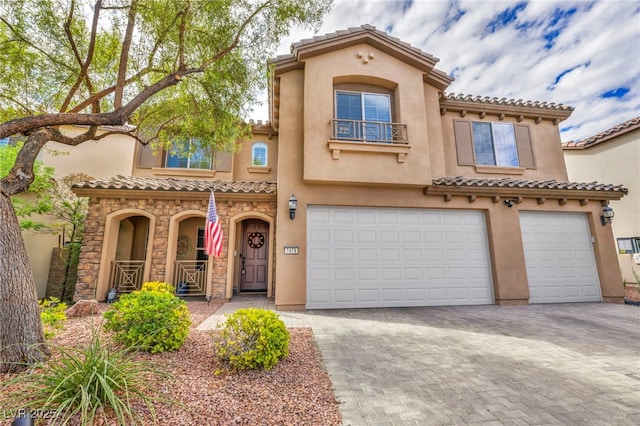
(616, 161)
(103, 158)
(243, 169)
(376, 167)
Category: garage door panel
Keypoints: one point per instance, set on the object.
(559, 257)
(392, 295)
(399, 257)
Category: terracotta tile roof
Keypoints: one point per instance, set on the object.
(614, 131)
(182, 185)
(505, 102)
(461, 181)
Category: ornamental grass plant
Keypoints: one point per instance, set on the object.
(87, 385)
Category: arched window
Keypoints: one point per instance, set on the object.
(259, 154)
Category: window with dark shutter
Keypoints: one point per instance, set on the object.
(493, 144)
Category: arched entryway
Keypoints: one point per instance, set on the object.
(125, 258)
(187, 263)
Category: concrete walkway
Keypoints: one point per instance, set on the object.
(566, 364)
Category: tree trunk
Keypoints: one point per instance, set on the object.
(21, 337)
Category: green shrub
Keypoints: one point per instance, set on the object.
(152, 319)
(53, 316)
(251, 338)
(158, 286)
(82, 383)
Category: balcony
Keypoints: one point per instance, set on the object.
(368, 136)
(368, 131)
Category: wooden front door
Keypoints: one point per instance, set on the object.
(255, 256)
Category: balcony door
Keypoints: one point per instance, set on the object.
(364, 116)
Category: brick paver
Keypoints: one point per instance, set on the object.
(490, 365)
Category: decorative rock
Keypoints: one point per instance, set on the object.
(83, 308)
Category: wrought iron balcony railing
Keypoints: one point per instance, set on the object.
(368, 131)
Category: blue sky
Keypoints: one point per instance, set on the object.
(585, 54)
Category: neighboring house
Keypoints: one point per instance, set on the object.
(103, 158)
(614, 156)
(406, 196)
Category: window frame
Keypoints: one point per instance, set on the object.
(370, 129)
(501, 139)
(258, 146)
(188, 158)
(465, 149)
(633, 243)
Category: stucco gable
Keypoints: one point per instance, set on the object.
(364, 34)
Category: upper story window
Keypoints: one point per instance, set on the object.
(480, 143)
(494, 144)
(363, 116)
(198, 159)
(259, 154)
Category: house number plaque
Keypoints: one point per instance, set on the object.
(291, 250)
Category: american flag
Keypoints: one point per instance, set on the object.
(212, 231)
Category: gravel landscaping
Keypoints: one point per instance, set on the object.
(297, 391)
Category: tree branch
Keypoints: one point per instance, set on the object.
(21, 174)
(101, 94)
(124, 55)
(23, 39)
(86, 63)
(181, 39)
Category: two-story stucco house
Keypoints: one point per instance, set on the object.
(406, 196)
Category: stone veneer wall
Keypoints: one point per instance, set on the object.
(163, 210)
(57, 273)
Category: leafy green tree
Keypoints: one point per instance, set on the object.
(175, 70)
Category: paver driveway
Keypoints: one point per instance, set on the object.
(524, 365)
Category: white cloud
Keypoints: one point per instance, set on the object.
(596, 44)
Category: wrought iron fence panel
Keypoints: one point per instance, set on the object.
(190, 277)
(127, 275)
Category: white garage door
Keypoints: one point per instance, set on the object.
(382, 257)
(560, 263)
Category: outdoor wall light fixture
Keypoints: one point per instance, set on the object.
(607, 215)
(293, 206)
(509, 203)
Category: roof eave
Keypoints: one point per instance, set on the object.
(519, 112)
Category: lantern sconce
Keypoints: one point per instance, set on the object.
(607, 215)
(293, 206)
(509, 203)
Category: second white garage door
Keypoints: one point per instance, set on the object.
(560, 263)
(384, 257)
